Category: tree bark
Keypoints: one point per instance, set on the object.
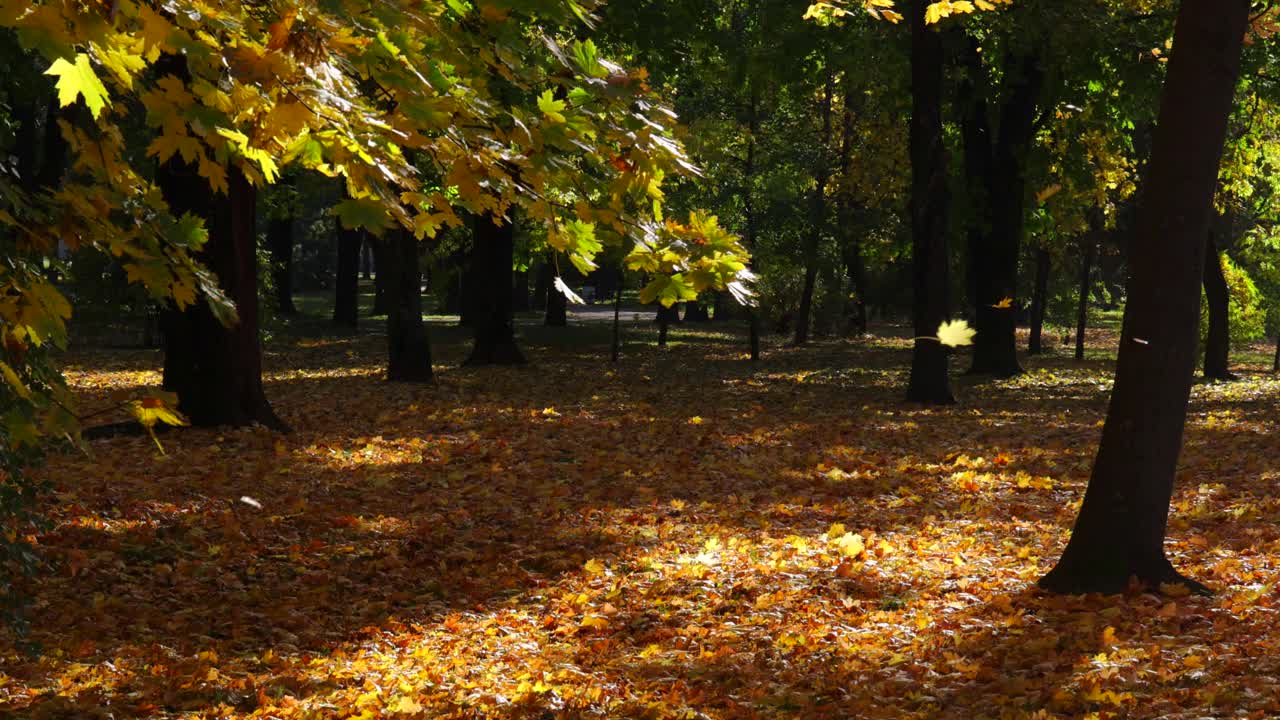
(408, 346)
(930, 203)
(557, 305)
(1217, 346)
(666, 317)
(1039, 299)
(1088, 248)
(1120, 531)
(695, 311)
(491, 280)
(616, 350)
(280, 246)
(346, 300)
(216, 370)
(994, 244)
(817, 218)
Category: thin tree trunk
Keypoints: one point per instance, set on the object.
(617, 319)
(491, 276)
(1087, 250)
(1121, 528)
(280, 245)
(817, 218)
(1039, 298)
(666, 317)
(557, 305)
(1275, 364)
(346, 297)
(929, 207)
(1217, 346)
(408, 346)
(366, 261)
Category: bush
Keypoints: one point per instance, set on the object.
(1246, 315)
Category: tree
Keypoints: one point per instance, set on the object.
(1120, 531)
(929, 382)
(408, 347)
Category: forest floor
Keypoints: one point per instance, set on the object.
(684, 534)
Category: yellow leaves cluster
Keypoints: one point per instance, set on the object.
(827, 12)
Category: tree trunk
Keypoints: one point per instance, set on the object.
(346, 299)
(1120, 531)
(1039, 298)
(216, 370)
(408, 346)
(557, 305)
(1088, 248)
(1217, 346)
(929, 207)
(366, 261)
(280, 245)
(382, 291)
(1275, 364)
(617, 319)
(695, 311)
(817, 218)
(520, 292)
(994, 246)
(491, 278)
(666, 317)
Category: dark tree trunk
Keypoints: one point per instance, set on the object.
(1039, 298)
(929, 207)
(215, 370)
(280, 245)
(556, 303)
(1120, 531)
(994, 246)
(346, 297)
(542, 285)
(817, 219)
(855, 309)
(520, 292)
(617, 319)
(366, 261)
(695, 311)
(749, 236)
(491, 278)
(1275, 364)
(667, 316)
(408, 346)
(1217, 346)
(382, 291)
(1088, 248)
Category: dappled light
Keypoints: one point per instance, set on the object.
(669, 536)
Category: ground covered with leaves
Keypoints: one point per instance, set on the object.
(682, 535)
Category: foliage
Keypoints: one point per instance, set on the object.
(1247, 317)
(786, 541)
(424, 112)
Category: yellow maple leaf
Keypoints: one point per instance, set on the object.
(79, 80)
(406, 706)
(851, 544)
(1005, 304)
(956, 333)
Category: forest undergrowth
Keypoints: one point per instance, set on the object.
(682, 535)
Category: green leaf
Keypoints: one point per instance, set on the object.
(551, 107)
(362, 213)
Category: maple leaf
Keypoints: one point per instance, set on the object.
(955, 333)
(1004, 304)
(551, 108)
(79, 80)
(155, 409)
